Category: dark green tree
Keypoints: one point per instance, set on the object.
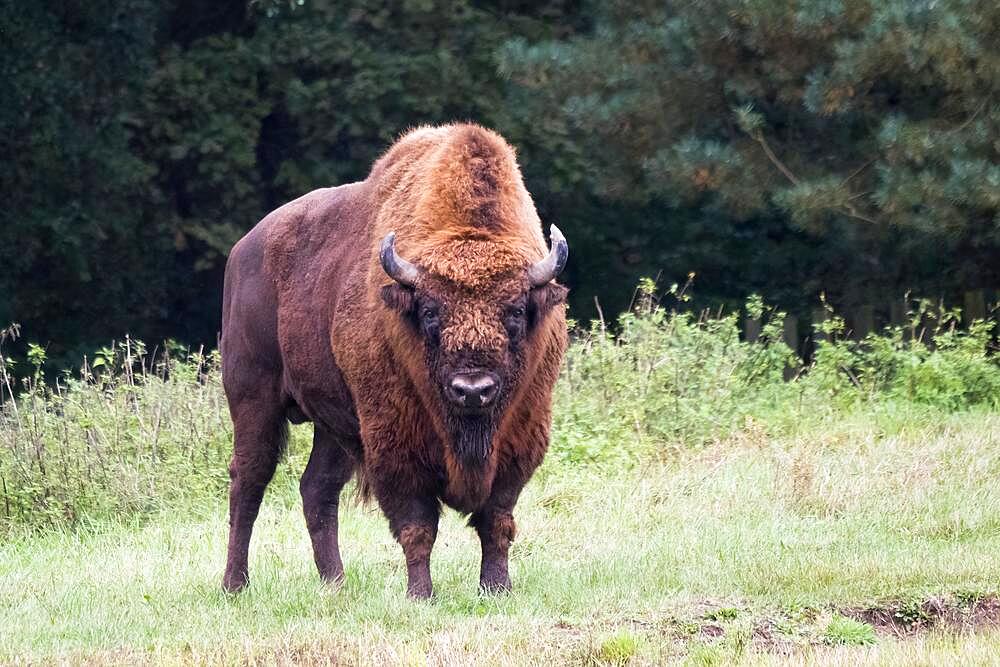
(145, 138)
(80, 257)
(840, 145)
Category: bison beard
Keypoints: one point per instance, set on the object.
(471, 437)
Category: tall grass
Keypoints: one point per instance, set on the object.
(131, 433)
(134, 431)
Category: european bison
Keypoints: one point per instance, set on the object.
(430, 377)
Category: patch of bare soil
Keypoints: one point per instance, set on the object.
(954, 614)
(768, 637)
(784, 634)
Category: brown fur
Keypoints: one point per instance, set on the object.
(313, 327)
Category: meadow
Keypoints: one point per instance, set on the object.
(705, 501)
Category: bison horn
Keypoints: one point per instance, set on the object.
(399, 269)
(547, 269)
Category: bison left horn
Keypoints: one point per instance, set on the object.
(399, 269)
(546, 270)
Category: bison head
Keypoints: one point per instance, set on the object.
(476, 337)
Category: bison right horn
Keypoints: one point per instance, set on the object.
(396, 267)
(545, 270)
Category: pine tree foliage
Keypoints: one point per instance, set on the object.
(76, 247)
(870, 122)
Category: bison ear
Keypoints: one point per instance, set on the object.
(399, 298)
(544, 298)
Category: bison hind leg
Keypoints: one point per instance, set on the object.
(330, 467)
(260, 438)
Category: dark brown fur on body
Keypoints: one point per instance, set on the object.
(315, 329)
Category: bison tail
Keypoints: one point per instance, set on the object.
(362, 486)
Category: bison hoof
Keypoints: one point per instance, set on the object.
(334, 580)
(233, 587)
(235, 583)
(495, 587)
(419, 592)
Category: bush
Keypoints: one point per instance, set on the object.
(844, 631)
(664, 380)
(930, 362)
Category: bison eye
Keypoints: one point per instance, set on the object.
(430, 321)
(514, 321)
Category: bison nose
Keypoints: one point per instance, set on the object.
(473, 390)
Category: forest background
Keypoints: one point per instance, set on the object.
(791, 149)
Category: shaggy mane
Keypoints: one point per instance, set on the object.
(456, 200)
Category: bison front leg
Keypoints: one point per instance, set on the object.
(494, 523)
(414, 524)
(496, 529)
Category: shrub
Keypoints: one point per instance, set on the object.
(934, 364)
(666, 380)
(663, 380)
(617, 650)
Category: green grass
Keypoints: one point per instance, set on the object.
(676, 560)
(849, 632)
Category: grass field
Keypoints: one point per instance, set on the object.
(759, 549)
